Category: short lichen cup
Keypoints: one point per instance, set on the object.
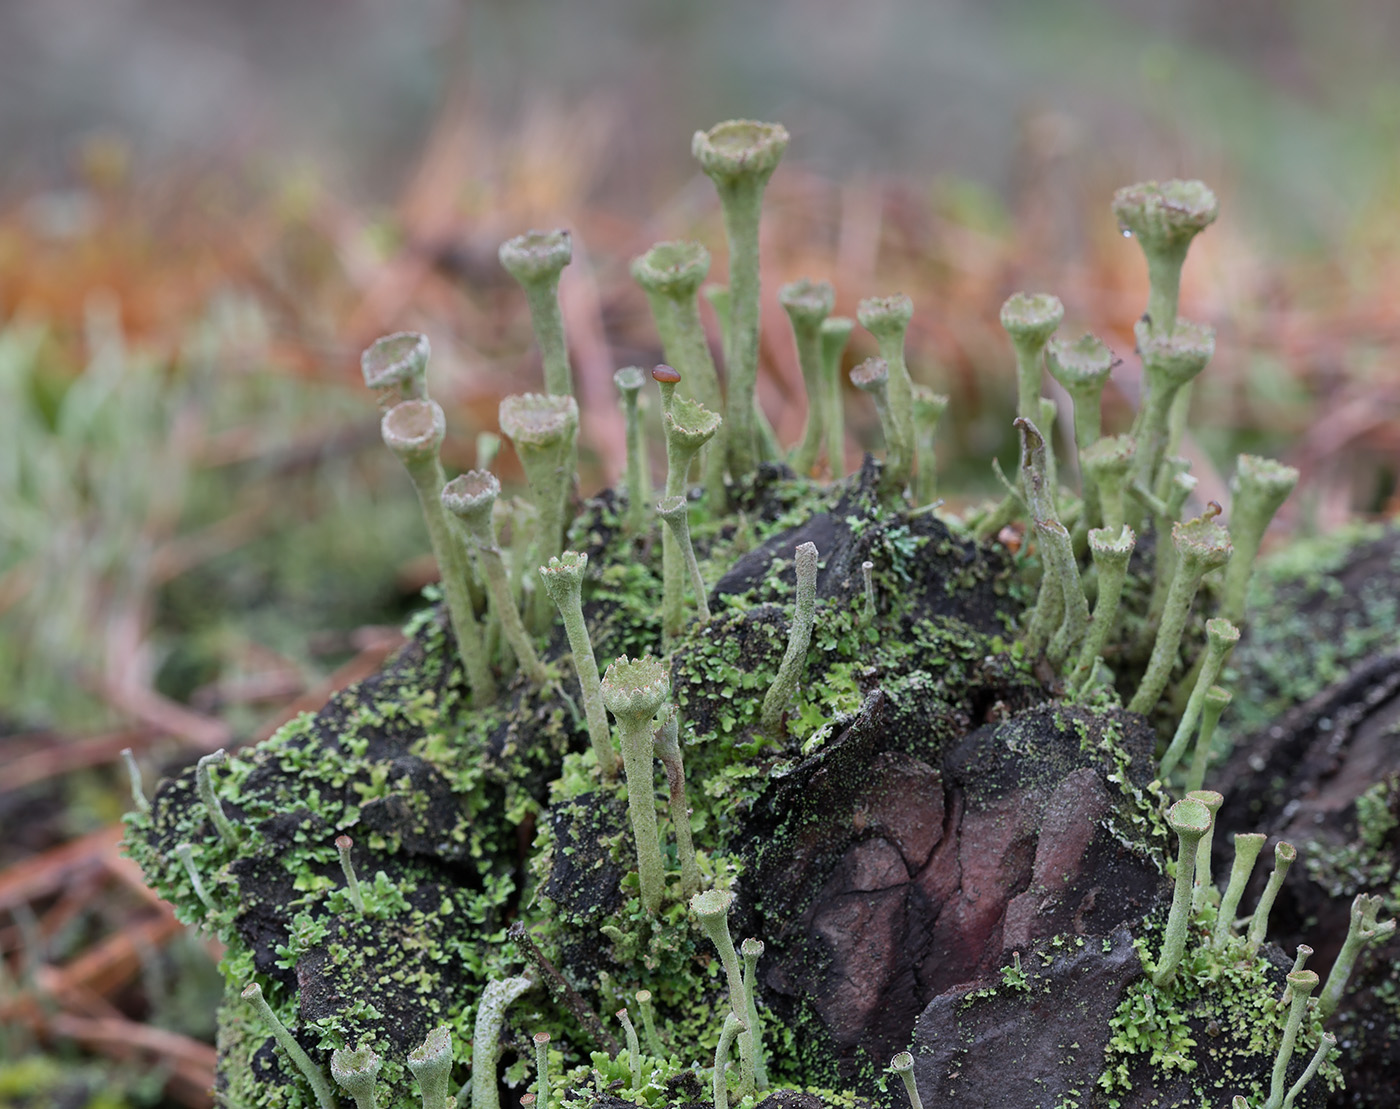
(634, 691)
(1164, 217)
(1190, 820)
(1082, 368)
(808, 304)
(396, 367)
(544, 429)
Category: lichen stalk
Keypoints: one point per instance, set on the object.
(541, 1042)
(752, 950)
(867, 574)
(1300, 960)
(835, 334)
(903, 1065)
(185, 853)
(1258, 490)
(739, 156)
(887, 318)
(1190, 820)
(1325, 1044)
(1247, 848)
(790, 670)
(563, 581)
(1029, 319)
(1201, 546)
(133, 774)
(733, 1027)
(1111, 558)
(1169, 362)
(711, 908)
(1204, 891)
(355, 1073)
(414, 431)
(1284, 855)
(320, 1086)
(1362, 930)
(629, 381)
(872, 376)
(1302, 983)
(666, 742)
(634, 691)
(496, 998)
(1107, 467)
(671, 275)
(204, 783)
(634, 1048)
(343, 844)
(1061, 615)
(808, 304)
(675, 514)
(928, 411)
(536, 259)
(1164, 217)
(471, 497)
(1217, 700)
(431, 1064)
(654, 1046)
(1221, 637)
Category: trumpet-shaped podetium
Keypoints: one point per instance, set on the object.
(541, 1041)
(711, 909)
(414, 431)
(1205, 892)
(1285, 854)
(675, 514)
(1221, 637)
(836, 333)
(689, 425)
(928, 411)
(1164, 217)
(1247, 848)
(536, 259)
(355, 1073)
(1213, 706)
(471, 497)
(1364, 929)
(1302, 983)
(887, 318)
(325, 1097)
(780, 693)
(634, 1047)
(752, 950)
(1201, 545)
(1082, 368)
(1190, 820)
(1258, 490)
(431, 1064)
(395, 367)
(903, 1065)
(739, 156)
(544, 429)
(1170, 361)
(1030, 319)
(649, 1025)
(563, 581)
(1107, 467)
(634, 691)
(873, 377)
(1111, 556)
(808, 304)
(629, 381)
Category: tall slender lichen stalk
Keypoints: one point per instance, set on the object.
(808, 304)
(1082, 369)
(675, 514)
(204, 784)
(1111, 556)
(1107, 467)
(1030, 319)
(711, 908)
(1363, 929)
(1247, 848)
(752, 950)
(1190, 820)
(836, 333)
(1061, 615)
(471, 497)
(666, 741)
(780, 693)
(1302, 983)
(544, 430)
(414, 431)
(634, 691)
(343, 845)
(1201, 545)
(887, 318)
(634, 1047)
(739, 156)
(395, 368)
(671, 275)
(1325, 1044)
(903, 1065)
(689, 425)
(431, 1064)
(1164, 218)
(629, 381)
(496, 998)
(649, 1025)
(563, 581)
(536, 259)
(928, 411)
(733, 1028)
(325, 1098)
(355, 1073)
(541, 1041)
(1284, 856)
(1258, 490)
(1170, 361)
(1221, 637)
(873, 377)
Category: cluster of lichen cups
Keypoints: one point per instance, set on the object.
(493, 598)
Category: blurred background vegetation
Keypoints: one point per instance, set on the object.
(207, 210)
